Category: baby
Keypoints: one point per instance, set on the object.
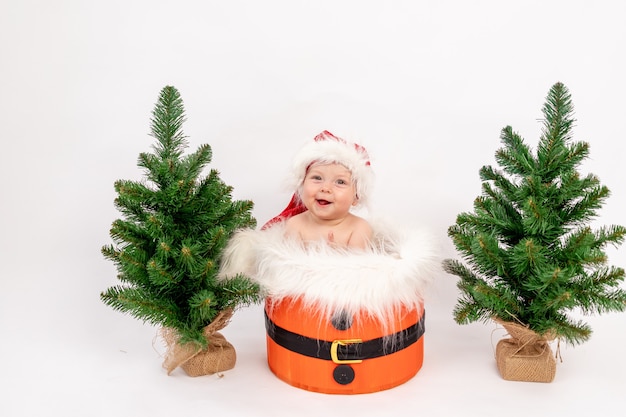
(331, 176)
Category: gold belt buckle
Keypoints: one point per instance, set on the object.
(344, 342)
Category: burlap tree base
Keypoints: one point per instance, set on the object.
(219, 355)
(525, 356)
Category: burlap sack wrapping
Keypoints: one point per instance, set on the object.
(525, 356)
(217, 357)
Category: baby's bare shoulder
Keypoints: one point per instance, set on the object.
(361, 234)
(293, 223)
(359, 223)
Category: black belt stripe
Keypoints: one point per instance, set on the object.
(369, 349)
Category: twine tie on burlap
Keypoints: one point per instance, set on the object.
(526, 355)
(528, 343)
(218, 356)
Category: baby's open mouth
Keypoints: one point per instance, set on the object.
(323, 202)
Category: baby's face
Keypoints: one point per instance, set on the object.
(328, 190)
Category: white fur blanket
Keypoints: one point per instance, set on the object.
(394, 273)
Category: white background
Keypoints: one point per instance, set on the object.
(425, 86)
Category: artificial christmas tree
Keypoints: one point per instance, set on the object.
(167, 249)
(531, 255)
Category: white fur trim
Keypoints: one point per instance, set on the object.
(241, 253)
(348, 154)
(396, 273)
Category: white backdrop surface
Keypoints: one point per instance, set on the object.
(425, 86)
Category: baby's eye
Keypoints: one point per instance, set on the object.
(342, 182)
(316, 177)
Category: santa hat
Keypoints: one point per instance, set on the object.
(327, 148)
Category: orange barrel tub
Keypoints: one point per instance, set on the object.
(343, 355)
